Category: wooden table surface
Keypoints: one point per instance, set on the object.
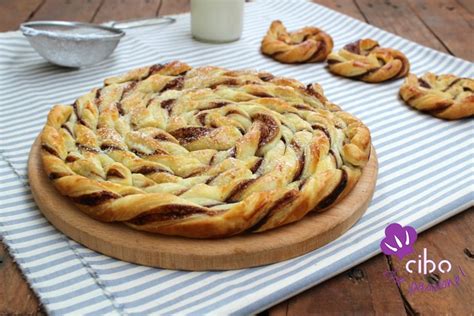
(445, 25)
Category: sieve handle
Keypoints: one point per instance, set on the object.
(128, 24)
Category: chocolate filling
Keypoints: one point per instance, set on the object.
(265, 76)
(163, 137)
(128, 88)
(452, 84)
(143, 154)
(261, 94)
(119, 107)
(333, 154)
(97, 96)
(115, 173)
(55, 175)
(153, 70)
(268, 128)
(87, 148)
(382, 62)
(146, 170)
(302, 183)
(310, 90)
(244, 184)
(201, 117)
(215, 105)
(323, 129)
(286, 199)
(277, 53)
(211, 179)
(107, 147)
(233, 112)
(50, 150)
(170, 212)
(320, 49)
(440, 107)
(168, 105)
(333, 61)
(257, 165)
(303, 107)
(95, 198)
(211, 162)
(301, 160)
(301, 164)
(71, 158)
(189, 134)
(332, 197)
(67, 129)
(76, 111)
(149, 102)
(175, 84)
(353, 47)
(228, 82)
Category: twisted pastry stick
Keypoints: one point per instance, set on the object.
(444, 96)
(204, 152)
(365, 60)
(307, 45)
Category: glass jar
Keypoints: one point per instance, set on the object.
(217, 21)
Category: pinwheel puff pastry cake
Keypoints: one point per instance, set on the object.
(204, 152)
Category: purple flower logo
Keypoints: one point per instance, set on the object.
(398, 240)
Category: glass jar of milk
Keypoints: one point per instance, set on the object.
(217, 21)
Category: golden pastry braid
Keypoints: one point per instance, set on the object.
(307, 45)
(204, 152)
(444, 96)
(365, 60)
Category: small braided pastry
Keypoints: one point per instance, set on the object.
(203, 152)
(365, 60)
(445, 96)
(307, 45)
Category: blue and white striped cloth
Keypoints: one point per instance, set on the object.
(426, 168)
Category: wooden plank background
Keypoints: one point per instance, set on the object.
(444, 25)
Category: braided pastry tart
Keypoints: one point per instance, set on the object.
(203, 152)
(444, 96)
(307, 45)
(365, 60)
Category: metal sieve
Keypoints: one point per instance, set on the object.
(74, 44)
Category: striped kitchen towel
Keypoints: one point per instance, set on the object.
(425, 176)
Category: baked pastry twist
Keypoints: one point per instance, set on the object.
(307, 45)
(204, 152)
(365, 60)
(444, 96)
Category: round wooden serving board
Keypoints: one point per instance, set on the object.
(248, 250)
